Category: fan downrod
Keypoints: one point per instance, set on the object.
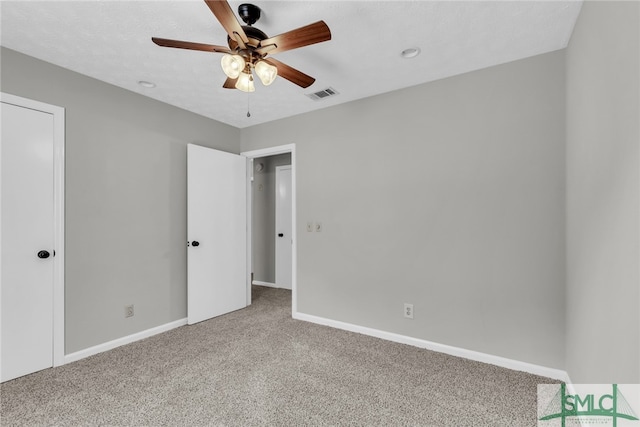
(249, 13)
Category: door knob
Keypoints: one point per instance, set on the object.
(195, 243)
(280, 235)
(43, 254)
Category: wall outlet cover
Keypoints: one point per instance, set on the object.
(408, 311)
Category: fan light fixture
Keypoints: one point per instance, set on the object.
(245, 82)
(235, 67)
(232, 65)
(266, 72)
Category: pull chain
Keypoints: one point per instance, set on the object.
(248, 113)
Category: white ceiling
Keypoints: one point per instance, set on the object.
(111, 41)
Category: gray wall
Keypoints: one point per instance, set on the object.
(264, 217)
(448, 195)
(125, 198)
(603, 301)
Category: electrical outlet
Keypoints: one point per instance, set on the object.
(408, 311)
(309, 227)
(128, 310)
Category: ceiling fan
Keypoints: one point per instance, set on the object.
(249, 47)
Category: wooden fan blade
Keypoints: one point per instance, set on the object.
(265, 50)
(228, 20)
(190, 45)
(304, 36)
(230, 83)
(291, 74)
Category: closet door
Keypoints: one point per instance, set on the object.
(27, 236)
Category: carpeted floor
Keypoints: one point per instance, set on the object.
(260, 367)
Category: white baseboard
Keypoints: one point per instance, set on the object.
(441, 348)
(72, 357)
(259, 283)
(268, 284)
(389, 336)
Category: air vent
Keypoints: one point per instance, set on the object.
(325, 93)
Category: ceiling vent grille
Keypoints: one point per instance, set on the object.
(325, 93)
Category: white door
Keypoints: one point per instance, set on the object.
(217, 233)
(284, 239)
(27, 231)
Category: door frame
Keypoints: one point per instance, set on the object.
(272, 151)
(58, 114)
(279, 170)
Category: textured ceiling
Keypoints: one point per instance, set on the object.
(111, 41)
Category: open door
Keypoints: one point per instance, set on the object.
(217, 233)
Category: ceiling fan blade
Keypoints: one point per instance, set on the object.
(265, 50)
(291, 74)
(303, 36)
(230, 83)
(228, 20)
(190, 45)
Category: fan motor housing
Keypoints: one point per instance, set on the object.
(254, 35)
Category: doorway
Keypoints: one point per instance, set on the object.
(31, 236)
(262, 224)
(271, 229)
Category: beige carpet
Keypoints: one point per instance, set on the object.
(260, 367)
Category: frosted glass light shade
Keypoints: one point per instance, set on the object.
(245, 83)
(232, 65)
(267, 73)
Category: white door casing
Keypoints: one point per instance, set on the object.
(284, 240)
(31, 217)
(217, 221)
